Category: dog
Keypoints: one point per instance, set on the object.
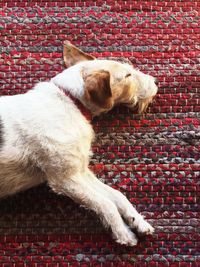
(45, 136)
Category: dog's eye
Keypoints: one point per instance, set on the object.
(128, 75)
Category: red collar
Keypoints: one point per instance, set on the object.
(86, 112)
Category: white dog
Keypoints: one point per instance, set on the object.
(45, 137)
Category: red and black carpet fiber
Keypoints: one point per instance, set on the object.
(154, 161)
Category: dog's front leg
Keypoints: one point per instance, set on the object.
(126, 209)
(81, 191)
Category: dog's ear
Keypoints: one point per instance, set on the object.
(73, 55)
(98, 90)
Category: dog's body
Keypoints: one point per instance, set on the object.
(45, 137)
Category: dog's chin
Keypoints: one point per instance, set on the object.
(143, 105)
(99, 111)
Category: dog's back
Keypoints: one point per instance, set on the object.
(32, 126)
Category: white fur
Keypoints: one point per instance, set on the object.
(71, 80)
(46, 138)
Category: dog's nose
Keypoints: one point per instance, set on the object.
(156, 81)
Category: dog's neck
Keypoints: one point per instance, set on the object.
(85, 111)
(71, 83)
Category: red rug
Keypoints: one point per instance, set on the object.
(154, 161)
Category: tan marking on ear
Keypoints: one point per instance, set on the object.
(97, 89)
(72, 55)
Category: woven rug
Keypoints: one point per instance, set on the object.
(154, 160)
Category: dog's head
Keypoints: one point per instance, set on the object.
(107, 83)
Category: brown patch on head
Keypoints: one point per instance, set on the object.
(72, 55)
(125, 91)
(98, 90)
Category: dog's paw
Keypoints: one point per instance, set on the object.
(125, 237)
(142, 226)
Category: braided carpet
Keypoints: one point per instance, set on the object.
(154, 161)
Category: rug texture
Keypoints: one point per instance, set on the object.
(154, 160)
